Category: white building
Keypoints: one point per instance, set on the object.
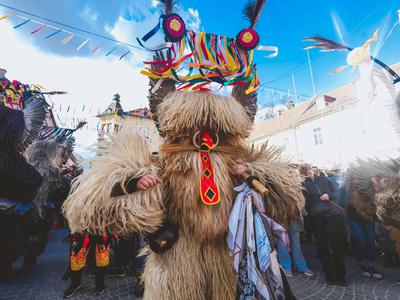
(332, 130)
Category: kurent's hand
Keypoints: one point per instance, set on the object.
(147, 181)
(324, 197)
(240, 169)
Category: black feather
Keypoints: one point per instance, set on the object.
(325, 44)
(35, 112)
(55, 93)
(168, 5)
(252, 10)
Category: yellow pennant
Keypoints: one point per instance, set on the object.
(6, 16)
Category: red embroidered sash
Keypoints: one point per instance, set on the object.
(209, 190)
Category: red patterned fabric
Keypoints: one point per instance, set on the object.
(209, 189)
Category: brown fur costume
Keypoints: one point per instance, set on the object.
(47, 158)
(198, 265)
(385, 204)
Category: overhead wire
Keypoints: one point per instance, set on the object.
(71, 27)
(302, 65)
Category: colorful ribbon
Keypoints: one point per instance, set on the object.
(111, 51)
(53, 34)
(40, 28)
(83, 44)
(21, 24)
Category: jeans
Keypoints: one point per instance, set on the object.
(297, 254)
(364, 237)
(330, 234)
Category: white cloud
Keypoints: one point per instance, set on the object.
(154, 3)
(89, 14)
(194, 20)
(122, 30)
(128, 30)
(89, 81)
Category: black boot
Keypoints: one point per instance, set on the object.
(67, 273)
(5, 270)
(99, 281)
(75, 285)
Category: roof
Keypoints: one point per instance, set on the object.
(310, 109)
(281, 122)
(139, 112)
(114, 108)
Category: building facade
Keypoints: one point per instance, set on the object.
(332, 130)
(114, 118)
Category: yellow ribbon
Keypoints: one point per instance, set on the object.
(6, 16)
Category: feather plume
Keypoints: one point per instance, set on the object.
(35, 112)
(325, 44)
(168, 5)
(252, 10)
(55, 93)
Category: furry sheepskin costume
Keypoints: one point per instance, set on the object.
(47, 157)
(385, 203)
(198, 265)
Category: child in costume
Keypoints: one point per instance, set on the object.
(185, 201)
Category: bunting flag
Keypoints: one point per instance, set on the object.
(21, 24)
(37, 30)
(124, 55)
(96, 48)
(111, 51)
(83, 44)
(53, 34)
(6, 16)
(69, 106)
(68, 39)
(83, 108)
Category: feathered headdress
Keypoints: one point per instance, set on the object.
(58, 134)
(199, 61)
(193, 60)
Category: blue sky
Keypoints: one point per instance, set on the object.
(282, 23)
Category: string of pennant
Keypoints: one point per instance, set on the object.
(68, 36)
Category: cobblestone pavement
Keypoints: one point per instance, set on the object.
(44, 281)
(358, 287)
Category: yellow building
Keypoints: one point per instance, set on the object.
(114, 118)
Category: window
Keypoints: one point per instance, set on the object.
(317, 136)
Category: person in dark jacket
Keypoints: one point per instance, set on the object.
(327, 225)
(18, 185)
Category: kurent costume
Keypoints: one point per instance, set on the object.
(19, 180)
(204, 243)
(46, 157)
